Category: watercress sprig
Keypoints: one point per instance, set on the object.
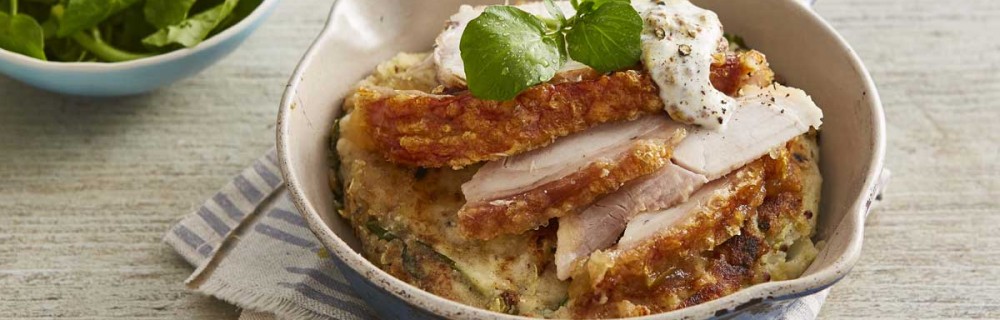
(507, 50)
(21, 33)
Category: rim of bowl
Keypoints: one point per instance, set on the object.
(257, 14)
(414, 296)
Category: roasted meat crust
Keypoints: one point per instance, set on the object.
(534, 208)
(719, 250)
(423, 130)
(732, 71)
(417, 129)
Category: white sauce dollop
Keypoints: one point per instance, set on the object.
(678, 41)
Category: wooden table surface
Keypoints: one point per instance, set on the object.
(89, 186)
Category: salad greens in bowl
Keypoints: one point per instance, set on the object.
(119, 47)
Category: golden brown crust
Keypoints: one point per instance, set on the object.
(457, 130)
(732, 71)
(736, 263)
(715, 253)
(652, 276)
(418, 129)
(533, 208)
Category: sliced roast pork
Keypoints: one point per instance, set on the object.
(642, 271)
(599, 226)
(734, 232)
(523, 192)
(765, 119)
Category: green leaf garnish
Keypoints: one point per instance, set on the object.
(85, 14)
(242, 10)
(608, 38)
(132, 26)
(554, 11)
(598, 3)
(191, 31)
(113, 30)
(163, 13)
(20, 33)
(106, 52)
(507, 50)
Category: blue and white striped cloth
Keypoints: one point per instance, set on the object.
(251, 248)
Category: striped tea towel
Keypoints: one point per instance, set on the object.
(251, 248)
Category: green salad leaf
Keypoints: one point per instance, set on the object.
(191, 31)
(20, 33)
(132, 27)
(242, 10)
(594, 4)
(113, 30)
(38, 9)
(507, 50)
(554, 11)
(66, 50)
(81, 15)
(606, 38)
(164, 13)
(203, 5)
(95, 45)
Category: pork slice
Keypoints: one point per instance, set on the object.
(665, 258)
(764, 120)
(599, 226)
(647, 224)
(528, 170)
(523, 192)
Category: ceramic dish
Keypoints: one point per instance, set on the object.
(131, 77)
(803, 49)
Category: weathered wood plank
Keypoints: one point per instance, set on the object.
(931, 248)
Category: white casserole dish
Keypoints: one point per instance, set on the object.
(803, 50)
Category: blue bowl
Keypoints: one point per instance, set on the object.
(132, 77)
